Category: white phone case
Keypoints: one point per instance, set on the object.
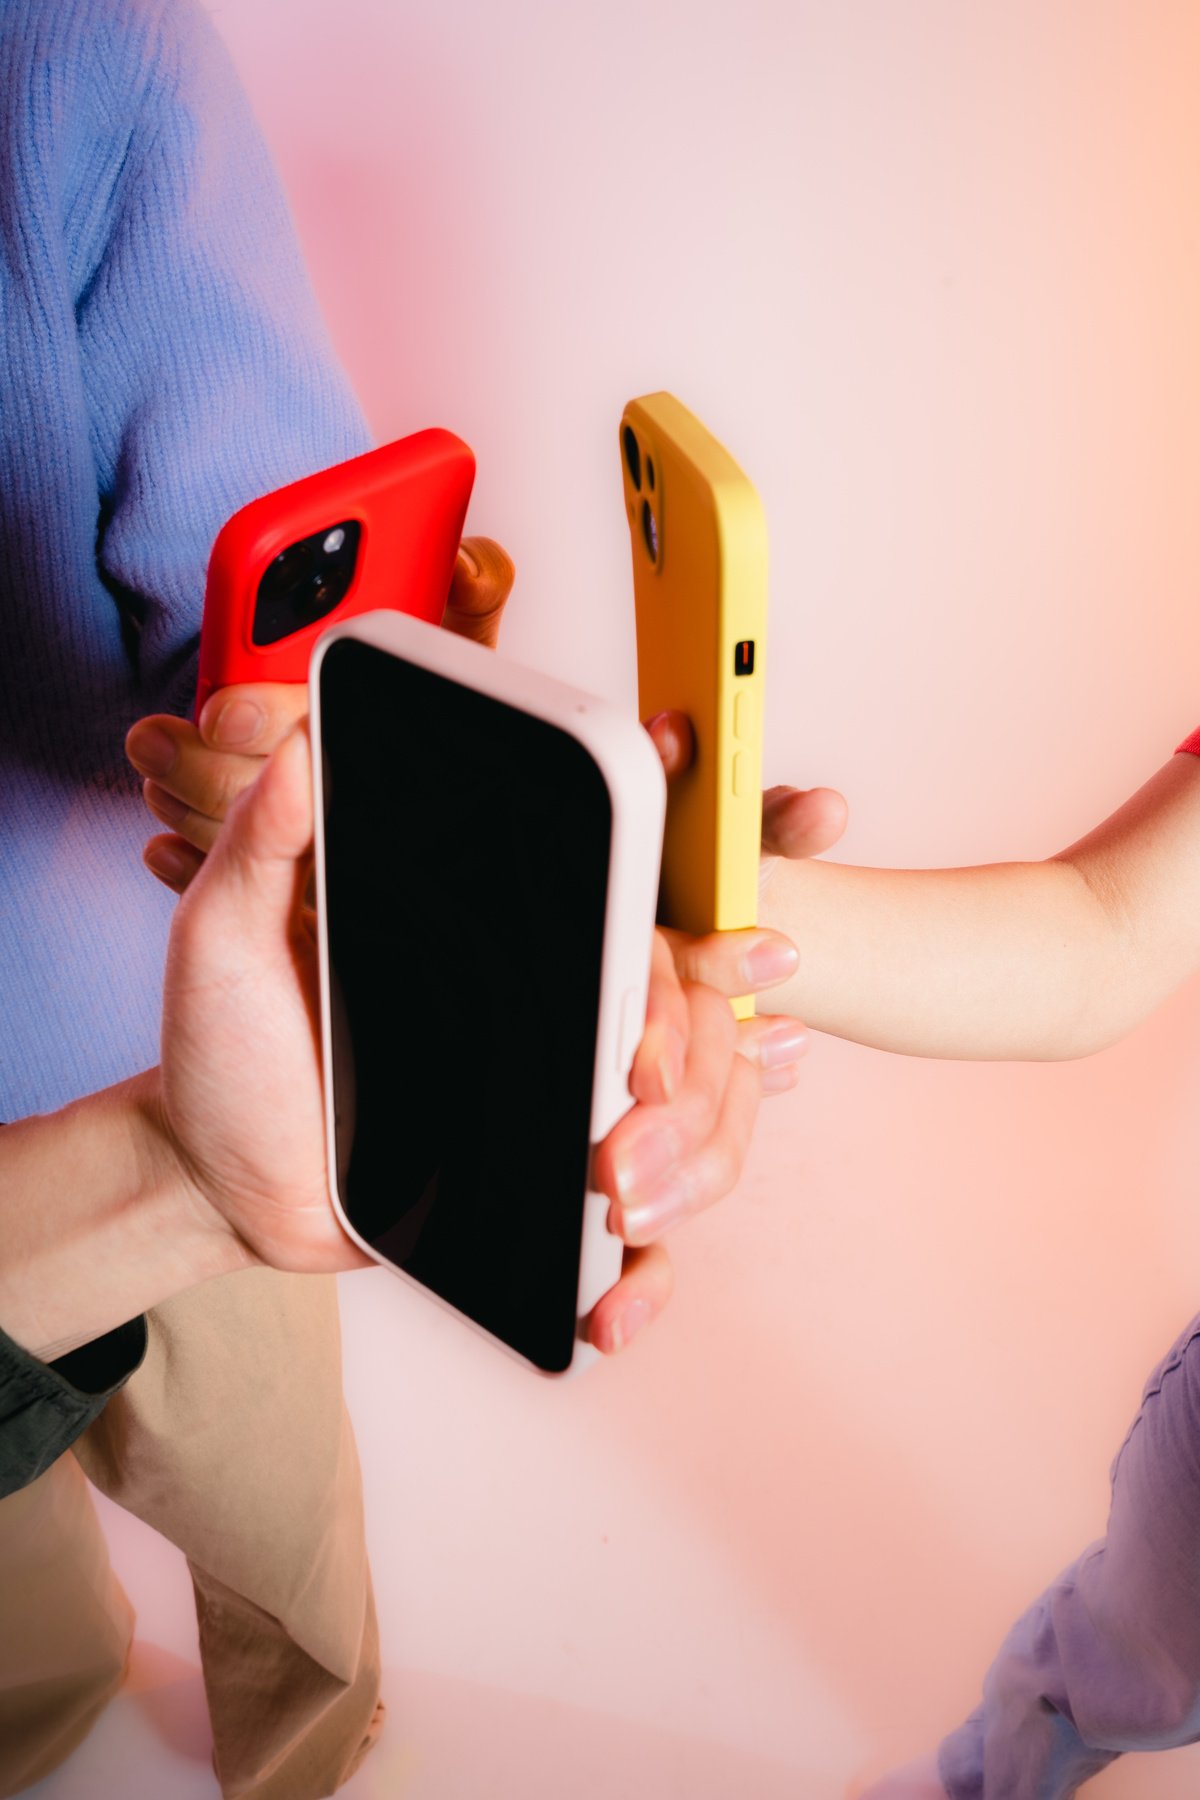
(632, 772)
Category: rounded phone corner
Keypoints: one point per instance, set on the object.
(584, 1356)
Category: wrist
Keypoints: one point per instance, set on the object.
(172, 1196)
(100, 1220)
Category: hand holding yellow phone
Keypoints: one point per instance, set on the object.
(700, 594)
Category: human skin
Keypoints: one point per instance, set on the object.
(698, 1076)
(1029, 961)
(215, 1161)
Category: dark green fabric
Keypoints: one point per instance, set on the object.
(45, 1406)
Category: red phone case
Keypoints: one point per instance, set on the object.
(409, 500)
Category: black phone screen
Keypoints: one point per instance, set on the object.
(466, 864)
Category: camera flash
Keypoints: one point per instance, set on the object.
(334, 541)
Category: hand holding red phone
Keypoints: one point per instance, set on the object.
(194, 773)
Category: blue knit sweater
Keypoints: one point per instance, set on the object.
(164, 363)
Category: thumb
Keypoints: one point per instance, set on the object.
(479, 589)
(259, 862)
(799, 822)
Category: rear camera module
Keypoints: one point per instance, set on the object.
(306, 581)
(633, 456)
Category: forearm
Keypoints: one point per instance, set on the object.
(97, 1222)
(1015, 960)
(1031, 961)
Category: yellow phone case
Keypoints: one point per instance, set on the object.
(700, 592)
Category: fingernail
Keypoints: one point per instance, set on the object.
(778, 1081)
(170, 864)
(771, 959)
(643, 1161)
(151, 750)
(628, 1323)
(786, 1045)
(667, 1206)
(465, 557)
(238, 722)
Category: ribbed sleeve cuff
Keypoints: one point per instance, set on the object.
(1190, 744)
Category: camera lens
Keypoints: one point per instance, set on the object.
(633, 456)
(306, 581)
(286, 568)
(650, 530)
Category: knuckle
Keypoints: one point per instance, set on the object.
(711, 964)
(231, 786)
(749, 1040)
(220, 781)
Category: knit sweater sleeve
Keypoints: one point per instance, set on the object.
(208, 375)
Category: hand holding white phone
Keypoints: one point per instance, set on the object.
(488, 846)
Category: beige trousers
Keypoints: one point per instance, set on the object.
(233, 1440)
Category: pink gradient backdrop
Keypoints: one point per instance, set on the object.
(933, 272)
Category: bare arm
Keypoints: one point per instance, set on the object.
(1030, 961)
(216, 1160)
(97, 1224)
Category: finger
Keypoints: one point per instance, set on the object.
(734, 962)
(253, 717)
(651, 1140)
(173, 860)
(799, 822)
(207, 779)
(775, 1045)
(255, 875)
(661, 1057)
(639, 1296)
(702, 1178)
(479, 589)
(674, 740)
(178, 817)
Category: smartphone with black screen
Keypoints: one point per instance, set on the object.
(488, 847)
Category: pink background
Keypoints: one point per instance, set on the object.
(933, 273)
